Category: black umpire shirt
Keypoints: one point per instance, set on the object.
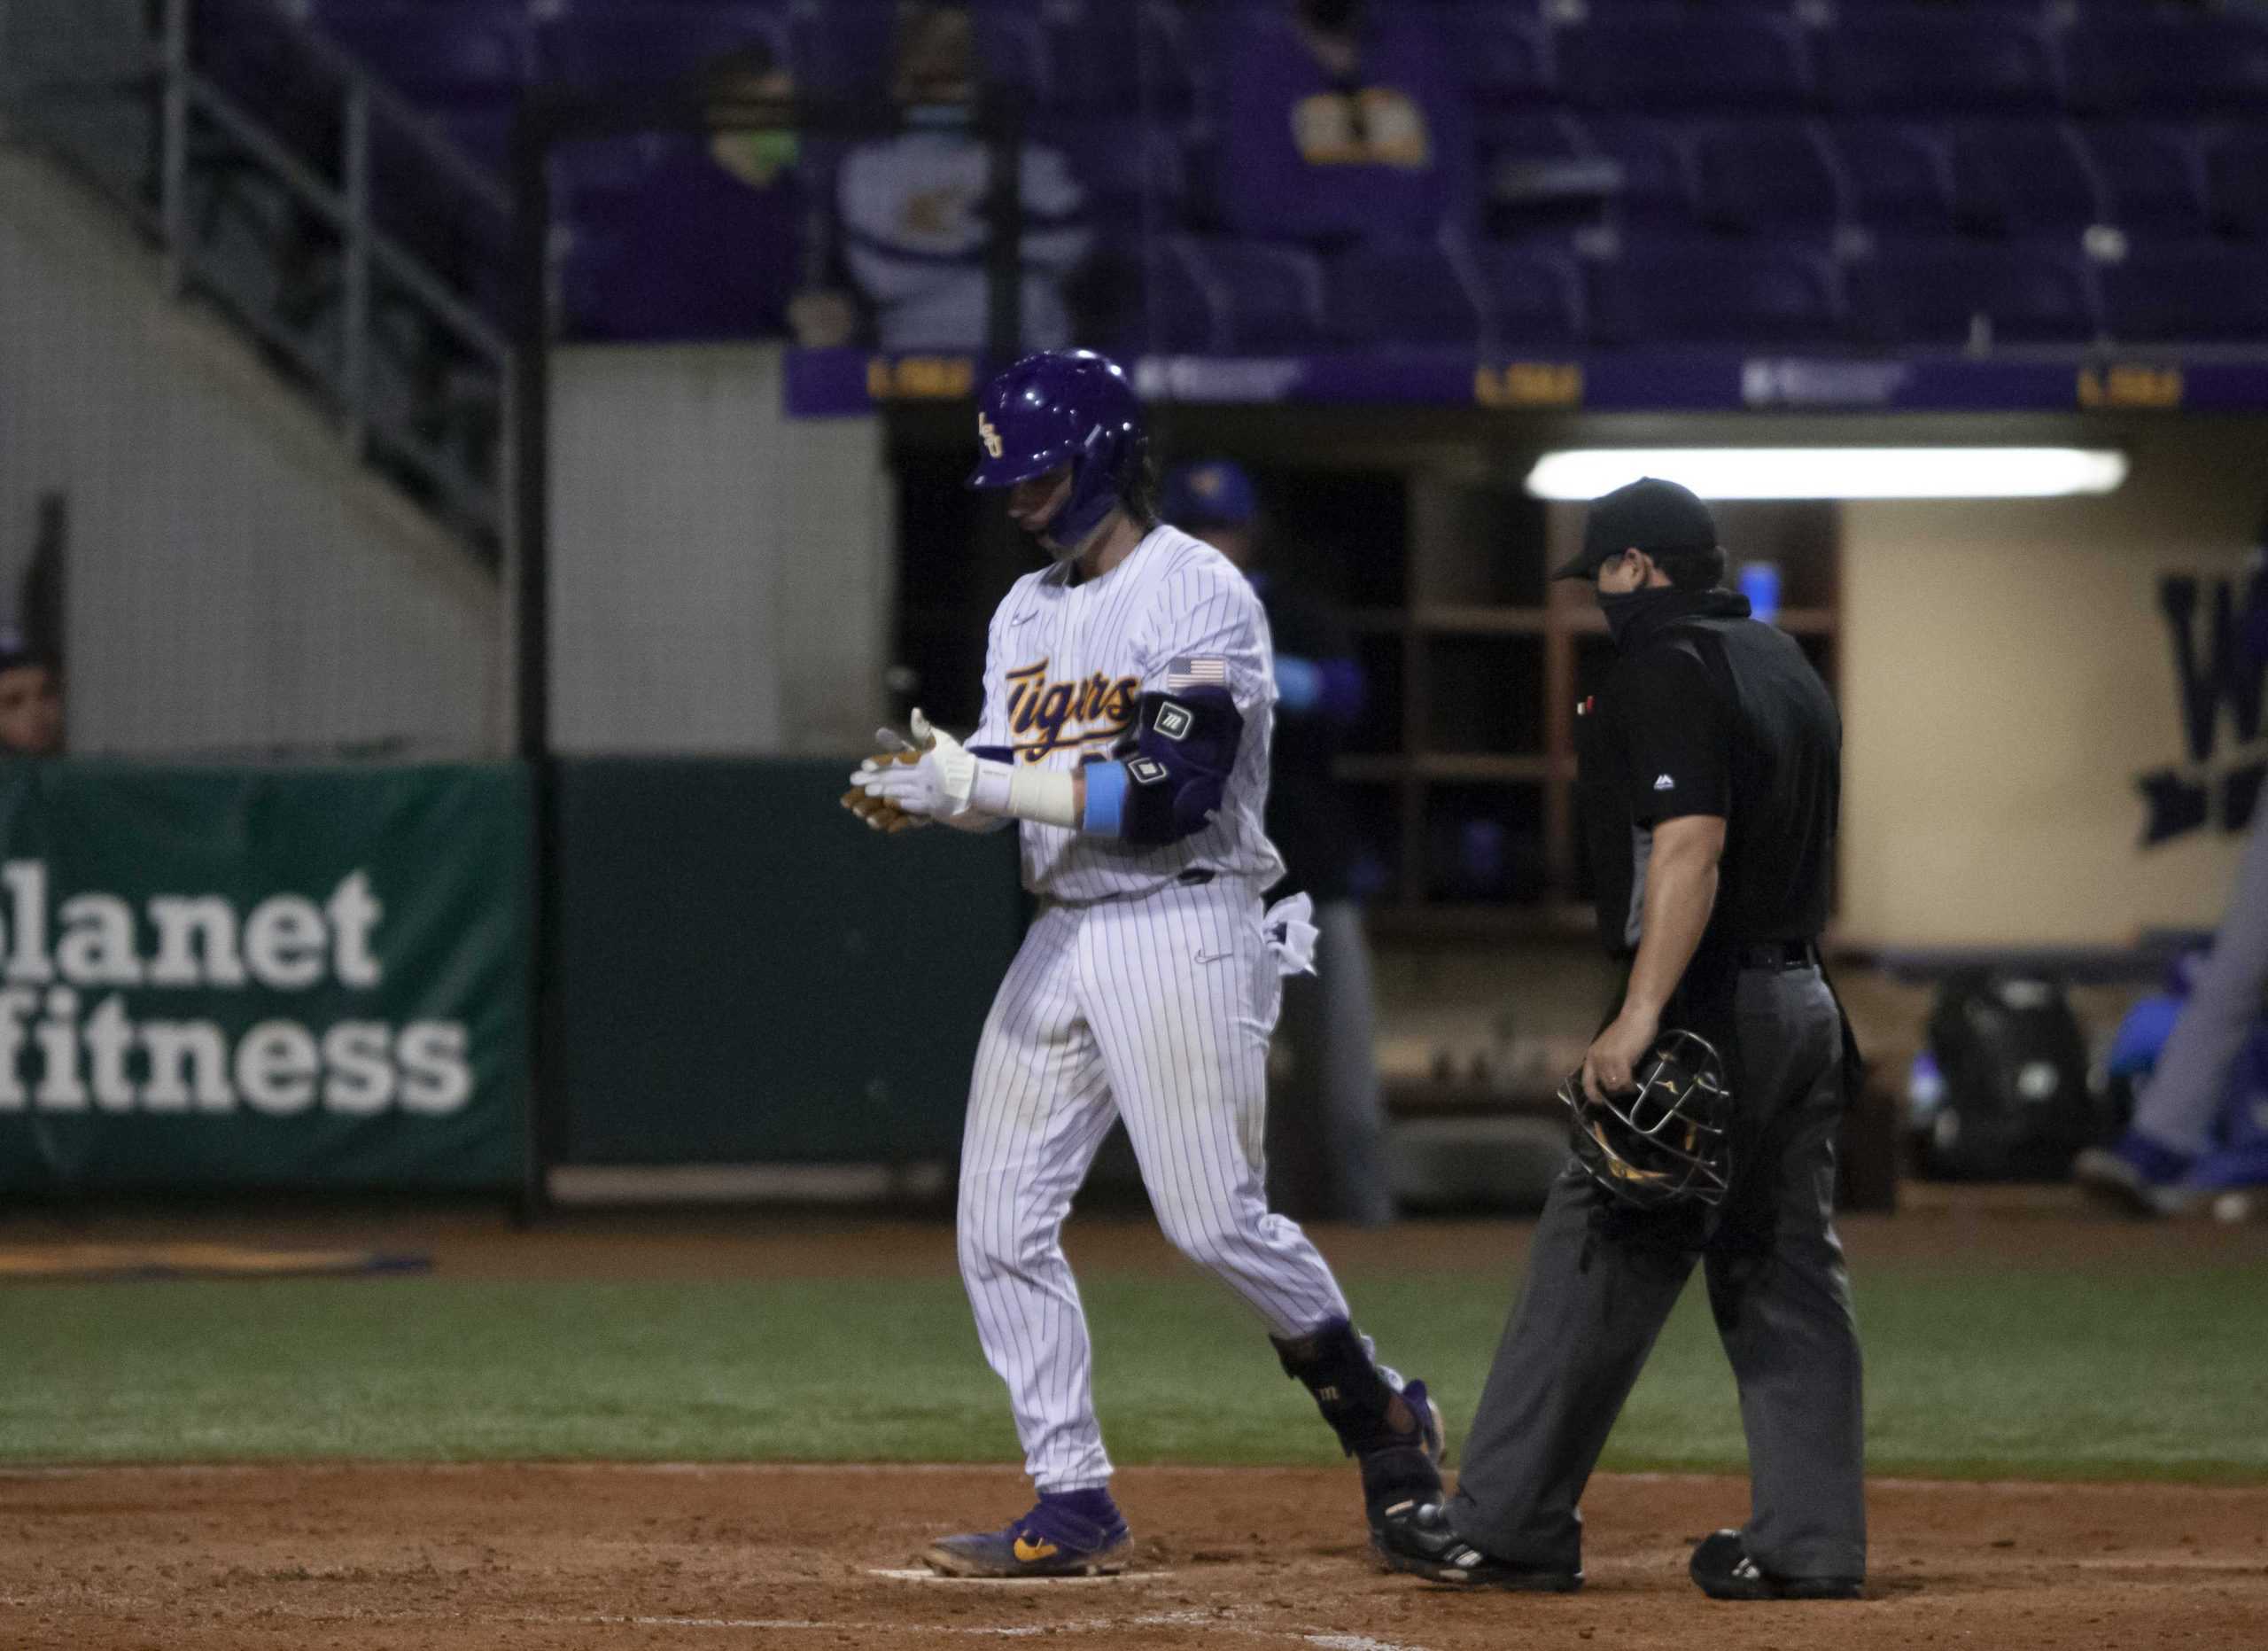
(1706, 711)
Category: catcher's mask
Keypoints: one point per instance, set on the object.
(1668, 1142)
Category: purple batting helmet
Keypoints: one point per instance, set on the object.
(1064, 407)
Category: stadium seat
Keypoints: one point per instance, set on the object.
(1496, 55)
(1127, 162)
(2236, 182)
(1233, 295)
(1657, 191)
(2180, 66)
(1535, 299)
(473, 53)
(1899, 174)
(654, 43)
(842, 48)
(1926, 61)
(1675, 60)
(1105, 56)
(483, 136)
(1540, 173)
(2021, 178)
(1714, 293)
(2203, 293)
(1932, 292)
(1410, 295)
(1754, 177)
(2153, 178)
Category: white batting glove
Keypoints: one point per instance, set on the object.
(938, 787)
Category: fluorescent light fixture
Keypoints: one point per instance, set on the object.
(1834, 473)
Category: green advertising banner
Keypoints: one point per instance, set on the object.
(216, 978)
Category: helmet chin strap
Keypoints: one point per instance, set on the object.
(1071, 553)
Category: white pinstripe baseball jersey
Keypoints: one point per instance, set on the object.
(1065, 666)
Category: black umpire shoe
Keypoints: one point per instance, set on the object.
(1417, 1537)
(1722, 1570)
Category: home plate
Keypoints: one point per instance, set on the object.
(924, 1574)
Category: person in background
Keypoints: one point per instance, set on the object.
(1326, 1146)
(1341, 127)
(31, 702)
(2151, 1169)
(912, 207)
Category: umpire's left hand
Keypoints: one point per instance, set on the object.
(1613, 1054)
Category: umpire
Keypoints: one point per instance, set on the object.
(1709, 767)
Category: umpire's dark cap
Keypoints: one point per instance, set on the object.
(1649, 515)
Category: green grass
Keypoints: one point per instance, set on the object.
(2034, 1373)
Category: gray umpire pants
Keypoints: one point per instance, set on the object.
(1326, 1128)
(1601, 1278)
(2178, 1106)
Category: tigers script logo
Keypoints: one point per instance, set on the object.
(1044, 716)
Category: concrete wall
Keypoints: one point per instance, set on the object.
(238, 584)
(722, 574)
(2006, 676)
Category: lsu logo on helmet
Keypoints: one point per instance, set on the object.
(987, 434)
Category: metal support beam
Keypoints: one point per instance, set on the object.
(355, 342)
(172, 165)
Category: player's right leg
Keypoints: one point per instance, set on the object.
(1184, 991)
(1039, 1109)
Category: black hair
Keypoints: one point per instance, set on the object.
(1692, 570)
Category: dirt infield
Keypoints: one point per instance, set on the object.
(534, 1556)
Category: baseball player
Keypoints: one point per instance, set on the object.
(1128, 696)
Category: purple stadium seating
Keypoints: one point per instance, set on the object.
(1237, 296)
(2020, 178)
(650, 44)
(1945, 134)
(474, 53)
(1535, 299)
(1657, 191)
(483, 136)
(1496, 55)
(1900, 174)
(843, 49)
(2236, 182)
(1929, 61)
(1767, 176)
(2201, 293)
(1129, 164)
(2153, 178)
(2187, 66)
(1410, 295)
(1109, 55)
(1714, 293)
(1682, 60)
(1931, 292)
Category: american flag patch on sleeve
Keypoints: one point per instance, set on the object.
(1198, 671)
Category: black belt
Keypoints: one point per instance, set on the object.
(1778, 954)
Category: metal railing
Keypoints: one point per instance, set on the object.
(284, 187)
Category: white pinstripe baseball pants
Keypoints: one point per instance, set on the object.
(1158, 1010)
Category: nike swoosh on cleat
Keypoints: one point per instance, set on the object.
(1028, 1552)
